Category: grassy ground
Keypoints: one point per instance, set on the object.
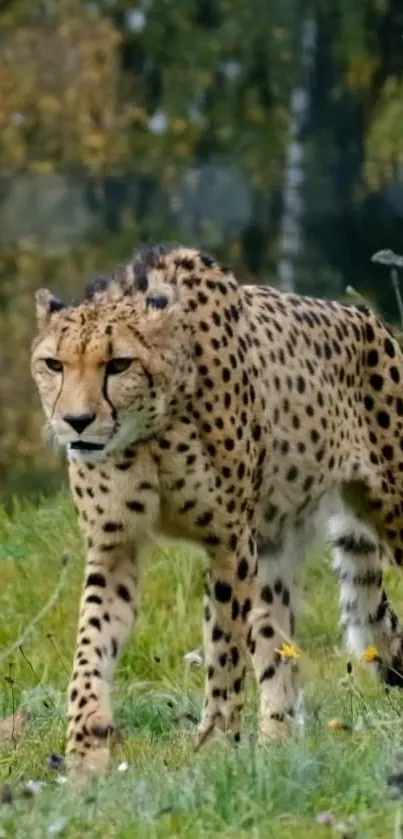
(167, 790)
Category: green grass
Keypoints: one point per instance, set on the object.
(169, 791)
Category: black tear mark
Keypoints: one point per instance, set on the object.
(157, 301)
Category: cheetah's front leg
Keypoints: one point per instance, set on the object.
(108, 608)
(115, 526)
(229, 596)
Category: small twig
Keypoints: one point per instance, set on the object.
(352, 292)
(389, 698)
(205, 735)
(10, 681)
(48, 697)
(394, 261)
(395, 283)
(397, 833)
(45, 609)
(57, 651)
(388, 257)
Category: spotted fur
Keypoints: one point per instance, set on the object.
(241, 419)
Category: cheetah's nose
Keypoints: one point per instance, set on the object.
(79, 421)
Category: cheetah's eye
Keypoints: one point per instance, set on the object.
(117, 365)
(54, 365)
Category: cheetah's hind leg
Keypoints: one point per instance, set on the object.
(370, 625)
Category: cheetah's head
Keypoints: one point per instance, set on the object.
(107, 369)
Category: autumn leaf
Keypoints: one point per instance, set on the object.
(13, 728)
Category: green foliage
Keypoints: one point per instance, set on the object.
(384, 141)
(256, 790)
(59, 103)
(120, 124)
(72, 119)
(369, 44)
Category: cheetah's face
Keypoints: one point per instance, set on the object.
(106, 370)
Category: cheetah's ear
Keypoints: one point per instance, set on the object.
(46, 305)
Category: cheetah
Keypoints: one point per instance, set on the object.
(242, 419)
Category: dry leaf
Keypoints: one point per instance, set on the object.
(338, 725)
(13, 728)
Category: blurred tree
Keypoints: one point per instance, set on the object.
(291, 245)
(214, 78)
(60, 107)
(123, 122)
(354, 201)
(60, 112)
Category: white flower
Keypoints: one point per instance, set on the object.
(135, 20)
(158, 123)
(123, 767)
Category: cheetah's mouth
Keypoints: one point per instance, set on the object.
(82, 446)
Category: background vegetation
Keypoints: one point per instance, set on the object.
(121, 123)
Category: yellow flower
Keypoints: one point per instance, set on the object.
(371, 654)
(288, 651)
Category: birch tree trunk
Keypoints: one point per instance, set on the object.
(291, 231)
